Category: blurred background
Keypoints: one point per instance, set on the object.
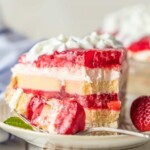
(46, 18)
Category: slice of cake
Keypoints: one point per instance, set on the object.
(90, 71)
(131, 26)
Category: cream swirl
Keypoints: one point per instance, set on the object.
(61, 43)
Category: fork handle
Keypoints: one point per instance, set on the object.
(127, 132)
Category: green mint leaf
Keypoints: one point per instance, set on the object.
(17, 122)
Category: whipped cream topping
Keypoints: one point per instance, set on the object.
(61, 43)
(130, 24)
(13, 101)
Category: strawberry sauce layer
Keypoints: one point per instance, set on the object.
(94, 101)
(36, 103)
(141, 45)
(92, 58)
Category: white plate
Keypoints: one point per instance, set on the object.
(69, 141)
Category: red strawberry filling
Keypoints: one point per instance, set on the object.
(89, 58)
(94, 101)
(114, 105)
(140, 113)
(141, 45)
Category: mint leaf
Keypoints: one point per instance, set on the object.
(17, 122)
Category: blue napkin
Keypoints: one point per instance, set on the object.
(12, 45)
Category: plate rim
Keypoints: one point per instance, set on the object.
(58, 135)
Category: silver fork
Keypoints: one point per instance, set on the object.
(91, 130)
(28, 122)
(108, 129)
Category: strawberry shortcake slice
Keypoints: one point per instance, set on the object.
(62, 78)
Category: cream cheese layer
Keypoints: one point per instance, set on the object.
(77, 73)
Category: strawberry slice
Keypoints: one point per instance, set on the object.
(140, 113)
(114, 105)
(70, 119)
(36, 103)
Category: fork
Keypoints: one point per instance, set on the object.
(28, 122)
(108, 129)
(91, 130)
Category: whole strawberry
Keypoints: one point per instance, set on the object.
(140, 113)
